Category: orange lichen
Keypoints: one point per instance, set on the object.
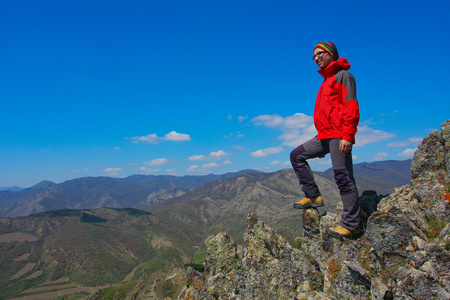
(447, 197)
(333, 269)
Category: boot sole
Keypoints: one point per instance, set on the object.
(309, 205)
(341, 237)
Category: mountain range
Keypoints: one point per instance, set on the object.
(140, 191)
(146, 191)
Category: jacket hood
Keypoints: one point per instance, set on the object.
(334, 67)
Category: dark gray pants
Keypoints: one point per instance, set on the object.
(343, 175)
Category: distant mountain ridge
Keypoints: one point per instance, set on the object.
(140, 191)
(43, 185)
(380, 176)
(11, 188)
(147, 191)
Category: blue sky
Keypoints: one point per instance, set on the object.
(114, 88)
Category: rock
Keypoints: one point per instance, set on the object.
(369, 202)
(311, 222)
(430, 172)
(445, 237)
(195, 286)
(267, 268)
(390, 232)
(358, 273)
(404, 200)
(221, 254)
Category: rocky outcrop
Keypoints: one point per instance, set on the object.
(403, 254)
(267, 268)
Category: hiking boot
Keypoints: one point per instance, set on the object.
(340, 232)
(309, 202)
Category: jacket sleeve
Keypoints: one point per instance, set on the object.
(350, 109)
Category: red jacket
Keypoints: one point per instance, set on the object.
(336, 114)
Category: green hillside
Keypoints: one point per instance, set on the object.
(89, 248)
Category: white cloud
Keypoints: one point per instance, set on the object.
(116, 148)
(227, 162)
(266, 152)
(411, 141)
(148, 170)
(193, 168)
(380, 156)
(242, 118)
(298, 120)
(367, 135)
(212, 156)
(203, 168)
(178, 137)
(296, 129)
(279, 163)
(107, 170)
(218, 155)
(268, 120)
(153, 138)
(112, 171)
(407, 153)
(197, 157)
(157, 162)
(296, 137)
(210, 165)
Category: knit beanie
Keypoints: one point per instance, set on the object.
(330, 48)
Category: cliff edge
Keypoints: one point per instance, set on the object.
(403, 254)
